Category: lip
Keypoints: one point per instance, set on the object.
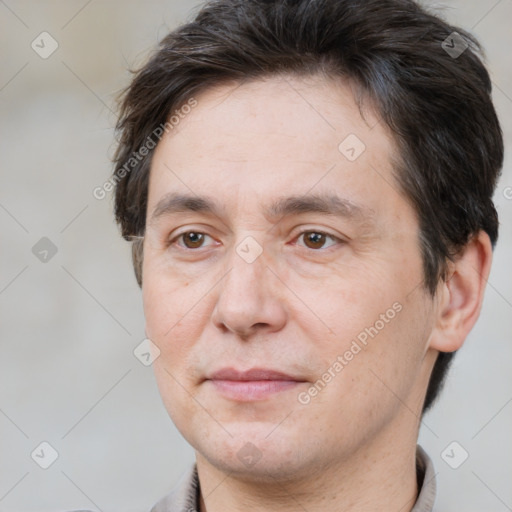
(251, 385)
(251, 375)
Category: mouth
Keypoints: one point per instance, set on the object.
(251, 385)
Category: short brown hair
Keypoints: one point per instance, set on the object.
(437, 103)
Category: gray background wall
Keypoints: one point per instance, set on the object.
(69, 325)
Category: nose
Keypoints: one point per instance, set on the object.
(250, 299)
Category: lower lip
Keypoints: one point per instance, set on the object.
(246, 391)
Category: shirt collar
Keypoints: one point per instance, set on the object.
(185, 495)
(426, 482)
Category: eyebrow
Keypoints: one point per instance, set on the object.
(327, 204)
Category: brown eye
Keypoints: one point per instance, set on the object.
(315, 239)
(192, 239)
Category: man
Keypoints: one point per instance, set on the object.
(308, 187)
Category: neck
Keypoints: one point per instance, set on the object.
(380, 476)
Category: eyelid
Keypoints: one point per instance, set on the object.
(336, 238)
(172, 240)
(175, 237)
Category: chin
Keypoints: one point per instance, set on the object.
(271, 467)
(254, 455)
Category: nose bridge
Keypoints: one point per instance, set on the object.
(246, 297)
(245, 282)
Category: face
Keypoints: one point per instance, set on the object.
(285, 295)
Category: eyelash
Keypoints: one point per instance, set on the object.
(317, 232)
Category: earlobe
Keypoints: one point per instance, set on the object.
(462, 293)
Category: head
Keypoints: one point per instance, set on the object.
(339, 165)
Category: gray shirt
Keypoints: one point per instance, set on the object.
(185, 495)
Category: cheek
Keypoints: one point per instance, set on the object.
(377, 331)
(167, 299)
(174, 391)
(386, 369)
(343, 305)
(173, 322)
(177, 310)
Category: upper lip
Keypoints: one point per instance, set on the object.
(252, 374)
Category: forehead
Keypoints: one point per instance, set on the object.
(267, 137)
(287, 112)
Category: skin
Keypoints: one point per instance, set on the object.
(300, 304)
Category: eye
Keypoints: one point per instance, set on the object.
(191, 239)
(316, 239)
(312, 239)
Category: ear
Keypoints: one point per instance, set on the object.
(461, 295)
